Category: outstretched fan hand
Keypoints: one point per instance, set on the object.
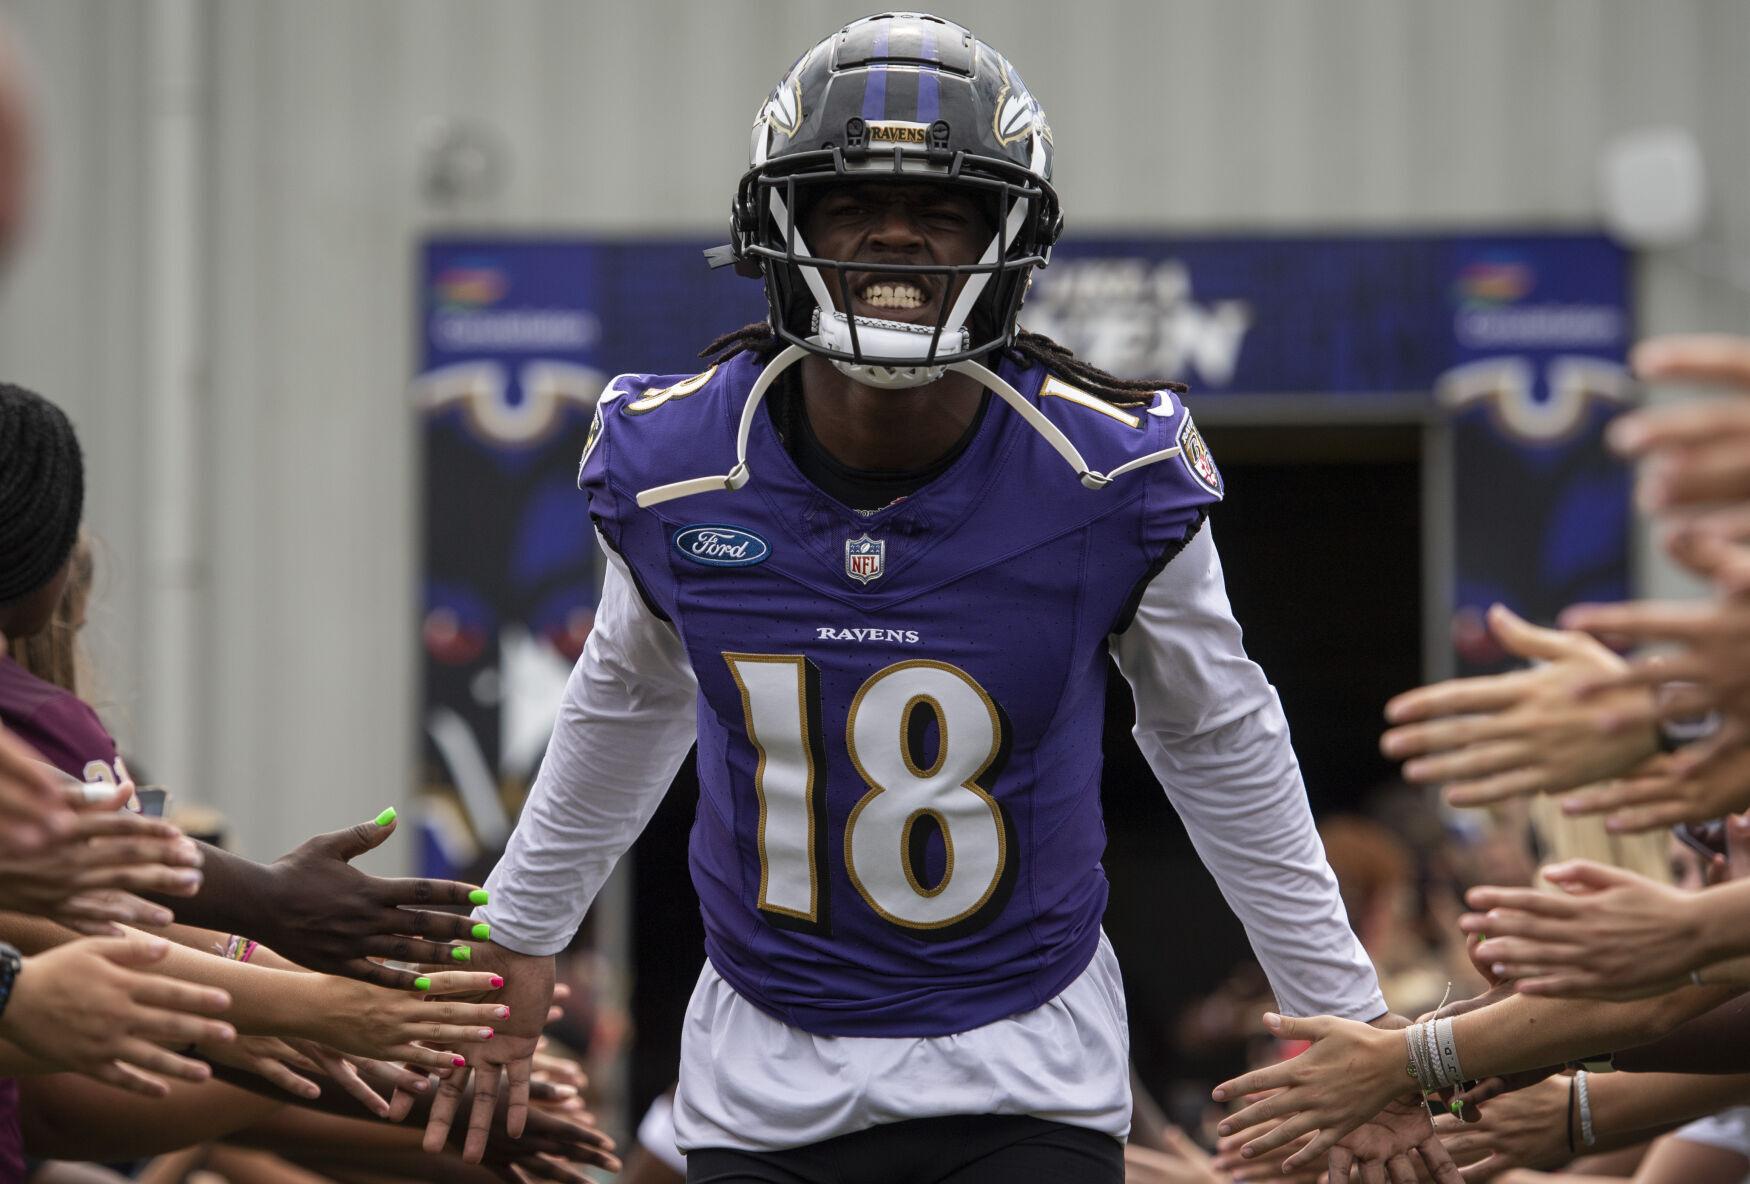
(329, 916)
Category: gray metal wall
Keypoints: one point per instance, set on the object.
(220, 288)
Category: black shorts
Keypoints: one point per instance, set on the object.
(958, 1149)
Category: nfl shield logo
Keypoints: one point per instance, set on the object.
(865, 558)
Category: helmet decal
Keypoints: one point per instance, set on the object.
(783, 112)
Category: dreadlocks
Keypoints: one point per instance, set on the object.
(759, 340)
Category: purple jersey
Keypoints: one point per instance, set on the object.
(899, 716)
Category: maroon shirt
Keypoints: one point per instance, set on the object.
(68, 735)
(57, 724)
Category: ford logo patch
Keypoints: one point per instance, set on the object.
(721, 546)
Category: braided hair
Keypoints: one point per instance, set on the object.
(1028, 347)
(42, 491)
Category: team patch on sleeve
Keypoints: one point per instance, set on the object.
(1196, 455)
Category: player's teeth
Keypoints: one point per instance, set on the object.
(893, 296)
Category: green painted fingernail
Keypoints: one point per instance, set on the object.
(422, 983)
(386, 817)
(478, 896)
(482, 932)
(461, 953)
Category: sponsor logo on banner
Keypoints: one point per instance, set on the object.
(865, 558)
(1496, 310)
(721, 546)
(465, 316)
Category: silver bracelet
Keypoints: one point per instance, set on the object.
(1586, 1132)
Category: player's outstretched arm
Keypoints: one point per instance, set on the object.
(623, 730)
(1212, 729)
(315, 908)
(1510, 735)
(500, 1068)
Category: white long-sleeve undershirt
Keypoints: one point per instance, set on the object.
(1208, 723)
(1211, 728)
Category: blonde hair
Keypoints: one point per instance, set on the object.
(55, 655)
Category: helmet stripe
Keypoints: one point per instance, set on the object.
(875, 89)
(929, 102)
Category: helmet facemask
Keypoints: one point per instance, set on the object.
(892, 354)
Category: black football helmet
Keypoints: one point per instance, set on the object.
(907, 97)
(913, 97)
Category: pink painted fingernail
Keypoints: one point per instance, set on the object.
(459, 1062)
(486, 1033)
(497, 982)
(503, 1013)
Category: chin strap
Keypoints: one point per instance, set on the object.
(736, 477)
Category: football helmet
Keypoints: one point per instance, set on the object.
(908, 97)
(913, 97)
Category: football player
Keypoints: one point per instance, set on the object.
(872, 559)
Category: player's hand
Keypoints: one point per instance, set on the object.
(326, 915)
(92, 1007)
(1670, 790)
(1349, 1074)
(383, 1024)
(1509, 735)
(1523, 1129)
(501, 1065)
(1610, 934)
(33, 815)
(86, 880)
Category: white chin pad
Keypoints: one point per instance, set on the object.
(890, 346)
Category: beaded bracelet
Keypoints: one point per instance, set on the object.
(238, 948)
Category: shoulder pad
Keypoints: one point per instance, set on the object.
(1110, 435)
(651, 429)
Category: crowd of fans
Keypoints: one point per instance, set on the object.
(1600, 1024)
(171, 1008)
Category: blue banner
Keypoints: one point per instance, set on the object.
(1519, 338)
